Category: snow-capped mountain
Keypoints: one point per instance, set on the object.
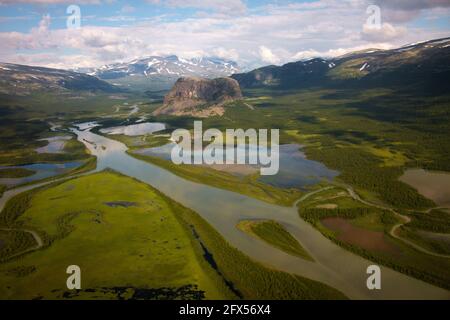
(417, 65)
(170, 66)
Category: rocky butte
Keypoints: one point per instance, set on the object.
(200, 97)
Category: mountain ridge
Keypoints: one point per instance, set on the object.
(22, 80)
(421, 64)
(159, 73)
(206, 67)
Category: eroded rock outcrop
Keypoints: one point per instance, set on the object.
(200, 97)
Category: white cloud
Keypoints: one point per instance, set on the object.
(265, 35)
(333, 53)
(385, 32)
(267, 55)
(229, 54)
(55, 61)
(309, 54)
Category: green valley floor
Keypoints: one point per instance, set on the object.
(131, 242)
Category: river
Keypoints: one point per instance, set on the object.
(224, 209)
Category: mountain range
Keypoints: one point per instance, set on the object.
(424, 66)
(159, 73)
(171, 66)
(421, 67)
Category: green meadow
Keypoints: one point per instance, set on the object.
(135, 243)
(120, 232)
(131, 242)
(274, 234)
(370, 137)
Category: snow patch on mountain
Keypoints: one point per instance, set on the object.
(171, 66)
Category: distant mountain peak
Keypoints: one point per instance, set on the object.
(170, 66)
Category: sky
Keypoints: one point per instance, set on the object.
(251, 32)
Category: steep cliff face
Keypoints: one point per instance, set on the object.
(200, 97)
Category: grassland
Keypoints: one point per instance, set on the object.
(140, 245)
(369, 136)
(40, 106)
(131, 242)
(274, 234)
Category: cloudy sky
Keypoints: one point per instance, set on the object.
(251, 32)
